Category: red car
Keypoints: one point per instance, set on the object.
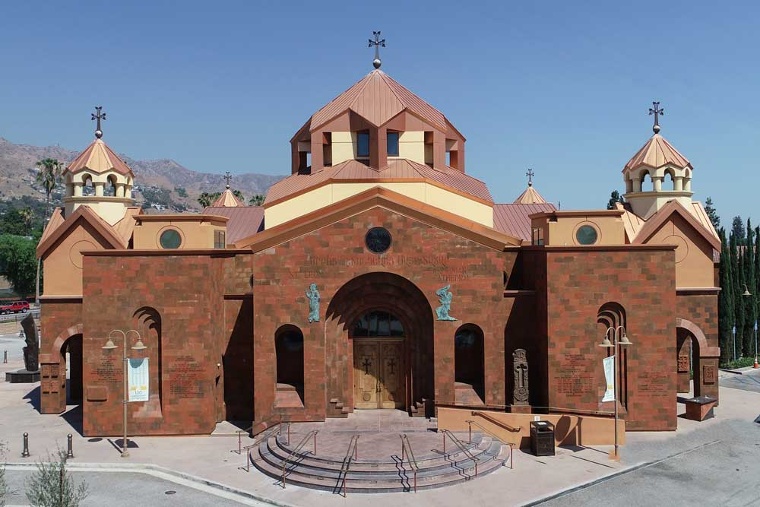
(14, 307)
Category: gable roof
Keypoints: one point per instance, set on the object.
(530, 196)
(244, 221)
(84, 213)
(377, 97)
(657, 152)
(98, 158)
(397, 169)
(674, 208)
(514, 219)
(378, 197)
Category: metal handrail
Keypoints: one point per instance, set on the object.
(261, 437)
(352, 450)
(493, 435)
(461, 447)
(407, 448)
(495, 421)
(297, 449)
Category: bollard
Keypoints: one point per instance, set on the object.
(25, 452)
(5, 356)
(70, 452)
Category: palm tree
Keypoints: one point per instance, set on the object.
(256, 200)
(49, 176)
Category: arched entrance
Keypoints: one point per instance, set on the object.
(696, 360)
(61, 379)
(385, 319)
(379, 373)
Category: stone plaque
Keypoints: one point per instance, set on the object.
(708, 374)
(186, 378)
(520, 361)
(683, 364)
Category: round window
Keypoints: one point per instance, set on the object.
(378, 239)
(170, 238)
(586, 235)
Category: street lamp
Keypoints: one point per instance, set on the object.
(110, 345)
(755, 365)
(619, 338)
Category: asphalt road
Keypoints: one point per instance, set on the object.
(721, 467)
(127, 489)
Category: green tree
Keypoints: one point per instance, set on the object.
(206, 198)
(725, 301)
(737, 230)
(18, 262)
(256, 200)
(712, 214)
(181, 191)
(615, 197)
(49, 176)
(748, 302)
(737, 289)
(17, 221)
(238, 194)
(52, 486)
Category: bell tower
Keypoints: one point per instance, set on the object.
(99, 179)
(657, 173)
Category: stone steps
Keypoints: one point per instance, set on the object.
(377, 476)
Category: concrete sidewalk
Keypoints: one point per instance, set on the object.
(208, 462)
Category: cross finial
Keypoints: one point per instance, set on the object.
(377, 43)
(656, 111)
(530, 175)
(98, 115)
(228, 177)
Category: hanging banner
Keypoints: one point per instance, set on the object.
(609, 375)
(138, 379)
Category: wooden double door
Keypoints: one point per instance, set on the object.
(379, 374)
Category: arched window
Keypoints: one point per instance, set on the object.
(643, 176)
(87, 186)
(469, 373)
(110, 188)
(289, 351)
(670, 175)
(613, 326)
(378, 325)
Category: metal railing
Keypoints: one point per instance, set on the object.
(352, 453)
(406, 451)
(495, 421)
(240, 434)
(297, 449)
(462, 448)
(492, 435)
(260, 438)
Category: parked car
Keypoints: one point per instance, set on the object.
(14, 307)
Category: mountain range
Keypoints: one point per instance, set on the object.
(17, 176)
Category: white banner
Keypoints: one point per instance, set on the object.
(609, 375)
(138, 379)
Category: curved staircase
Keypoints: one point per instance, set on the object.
(435, 468)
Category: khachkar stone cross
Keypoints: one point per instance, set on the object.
(367, 363)
(656, 111)
(98, 115)
(227, 178)
(530, 175)
(377, 43)
(521, 392)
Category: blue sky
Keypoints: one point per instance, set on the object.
(560, 87)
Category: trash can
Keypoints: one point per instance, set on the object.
(542, 438)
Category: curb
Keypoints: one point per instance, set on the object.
(155, 470)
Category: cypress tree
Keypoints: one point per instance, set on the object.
(748, 342)
(725, 300)
(736, 282)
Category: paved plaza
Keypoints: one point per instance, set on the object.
(712, 462)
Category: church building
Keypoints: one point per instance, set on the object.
(378, 275)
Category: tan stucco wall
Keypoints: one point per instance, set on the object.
(343, 147)
(694, 263)
(610, 230)
(645, 204)
(411, 146)
(424, 192)
(63, 264)
(110, 209)
(596, 430)
(195, 234)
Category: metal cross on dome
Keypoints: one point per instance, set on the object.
(377, 43)
(530, 175)
(98, 115)
(227, 178)
(656, 111)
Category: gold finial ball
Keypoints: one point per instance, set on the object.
(98, 134)
(656, 129)
(376, 63)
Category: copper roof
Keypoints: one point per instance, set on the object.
(98, 158)
(673, 207)
(530, 196)
(244, 221)
(377, 97)
(108, 233)
(514, 219)
(656, 153)
(397, 169)
(227, 200)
